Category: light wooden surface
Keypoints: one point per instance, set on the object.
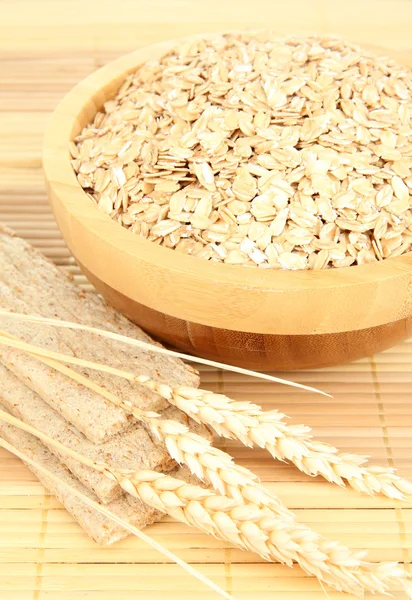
(45, 48)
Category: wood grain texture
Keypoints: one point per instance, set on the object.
(266, 319)
(45, 48)
(256, 350)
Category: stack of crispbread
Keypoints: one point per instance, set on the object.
(67, 411)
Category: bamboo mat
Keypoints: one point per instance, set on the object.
(45, 48)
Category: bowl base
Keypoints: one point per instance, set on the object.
(257, 351)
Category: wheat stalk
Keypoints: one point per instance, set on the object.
(248, 526)
(196, 452)
(153, 348)
(112, 516)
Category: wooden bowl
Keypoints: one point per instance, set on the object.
(260, 319)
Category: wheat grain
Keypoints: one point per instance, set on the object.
(239, 133)
(110, 515)
(250, 526)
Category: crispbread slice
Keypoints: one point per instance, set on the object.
(99, 528)
(95, 417)
(132, 449)
(29, 283)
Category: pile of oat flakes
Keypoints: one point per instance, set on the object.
(250, 150)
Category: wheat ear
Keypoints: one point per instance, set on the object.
(251, 425)
(240, 420)
(154, 348)
(248, 526)
(196, 452)
(113, 517)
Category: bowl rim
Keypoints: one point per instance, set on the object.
(78, 107)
